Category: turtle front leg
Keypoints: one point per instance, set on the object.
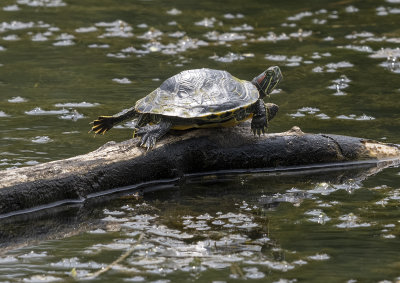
(140, 122)
(259, 123)
(151, 133)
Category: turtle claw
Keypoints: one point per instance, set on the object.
(259, 131)
(148, 142)
(258, 124)
(264, 130)
(135, 131)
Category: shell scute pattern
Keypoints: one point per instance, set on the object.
(199, 93)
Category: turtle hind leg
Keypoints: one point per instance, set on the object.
(103, 124)
(151, 133)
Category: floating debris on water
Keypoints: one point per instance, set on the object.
(392, 64)
(292, 61)
(351, 221)
(273, 37)
(317, 55)
(328, 38)
(42, 278)
(297, 115)
(253, 273)
(322, 116)
(300, 16)
(40, 111)
(42, 3)
(318, 216)
(33, 254)
(323, 188)
(3, 114)
(117, 55)
(177, 34)
(384, 11)
(8, 259)
(31, 163)
(386, 53)
(73, 115)
(364, 117)
(228, 58)
(355, 117)
(174, 12)
(231, 16)
(318, 69)
(332, 67)
(122, 81)
(117, 28)
(363, 48)
(15, 25)
(223, 37)
(11, 37)
(41, 139)
(65, 36)
(389, 236)
(85, 29)
(206, 22)
(73, 262)
(99, 45)
(244, 27)
(319, 257)
(39, 37)
(339, 85)
(351, 9)
(76, 105)
(66, 42)
(300, 34)
(309, 110)
(11, 8)
(151, 34)
(356, 35)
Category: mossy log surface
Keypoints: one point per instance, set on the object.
(117, 165)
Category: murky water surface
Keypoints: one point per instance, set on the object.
(64, 62)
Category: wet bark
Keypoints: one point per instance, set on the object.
(118, 165)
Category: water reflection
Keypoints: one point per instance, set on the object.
(180, 230)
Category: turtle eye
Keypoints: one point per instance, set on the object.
(269, 73)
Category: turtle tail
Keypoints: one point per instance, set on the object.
(103, 124)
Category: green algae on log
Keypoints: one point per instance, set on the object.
(124, 165)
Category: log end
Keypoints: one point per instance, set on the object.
(380, 150)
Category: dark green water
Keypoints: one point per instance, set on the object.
(341, 75)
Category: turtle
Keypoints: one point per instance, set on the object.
(198, 98)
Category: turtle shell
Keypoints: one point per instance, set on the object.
(199, 93)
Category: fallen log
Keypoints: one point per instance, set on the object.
(124, 165)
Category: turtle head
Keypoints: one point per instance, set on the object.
(267, 80)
